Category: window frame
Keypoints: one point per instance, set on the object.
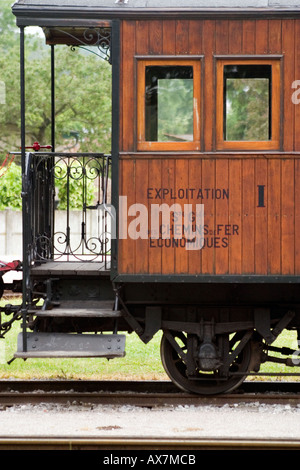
(142, 143)
(274, 143)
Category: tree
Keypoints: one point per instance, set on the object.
(10, 188)
(83, 93)
(247, 115)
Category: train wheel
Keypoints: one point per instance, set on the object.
(174, 356)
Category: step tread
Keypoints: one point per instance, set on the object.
(71, 268)
(77, 312)
(102, 308)
(71, 345)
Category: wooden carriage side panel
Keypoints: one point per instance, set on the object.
(181, 184)
(182, 37)
(142, 37)
(168, 252)
(210, 38)
(126, 256)
(288, 45)
(217, 236)
(127, 103)
(235, 37)
(254, 227)
(142, 261)
(295, 95)
(195, 28)
(297, 215)
(248, 39)
(261, 240)
(274, 217)
(261, 36)
(288, 216)
(169, 33)
(208, 113)
(155, 182)
(248, 200)
(195, 179)
(275, 37)
(156, 37)
(251, 220)
(208, 181)
(235, 185)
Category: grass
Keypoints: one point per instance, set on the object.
(287, 339)
(142, 361)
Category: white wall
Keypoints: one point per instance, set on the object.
(11, 230)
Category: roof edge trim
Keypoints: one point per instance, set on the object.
(43, 15)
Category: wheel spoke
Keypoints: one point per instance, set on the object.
(175, 357)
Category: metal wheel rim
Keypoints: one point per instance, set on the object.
(175, 368)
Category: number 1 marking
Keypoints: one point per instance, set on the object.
(261, 195)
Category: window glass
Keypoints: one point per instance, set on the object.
(169, 103)
(247, 102)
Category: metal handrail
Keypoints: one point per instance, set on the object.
(85, 170)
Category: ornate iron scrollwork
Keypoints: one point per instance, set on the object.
(87, 237)
(99, 38)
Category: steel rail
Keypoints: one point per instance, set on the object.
(142, 394)
(133, 443)
(146, 386)
(148, 401)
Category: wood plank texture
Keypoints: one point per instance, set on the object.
(251, 219)
(251, 201)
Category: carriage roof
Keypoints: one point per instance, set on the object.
(48, 12)
(160, 4)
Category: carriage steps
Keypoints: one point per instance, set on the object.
(102, 308)
(59, 345)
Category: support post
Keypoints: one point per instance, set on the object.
(24, 188)
(53, 98)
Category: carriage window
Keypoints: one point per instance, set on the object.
(168, 105)
(248, 105)
(246, 101)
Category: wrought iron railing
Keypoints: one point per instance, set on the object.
(66, 206)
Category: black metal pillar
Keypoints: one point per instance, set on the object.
(52, 98)
(24, 188)
(115, 61)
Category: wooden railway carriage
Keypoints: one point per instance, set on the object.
(205, 208)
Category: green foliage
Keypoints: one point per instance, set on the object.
(83, 93)
(78, 186)
(247, 115)
(10, 188)
(83, 100)
(82, 108)
(142, 361)
(175, 108)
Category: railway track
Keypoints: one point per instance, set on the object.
(138, 393)
(141, 394)
(148, 445)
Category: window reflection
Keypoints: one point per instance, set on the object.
(247, 102)
(169, 104)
